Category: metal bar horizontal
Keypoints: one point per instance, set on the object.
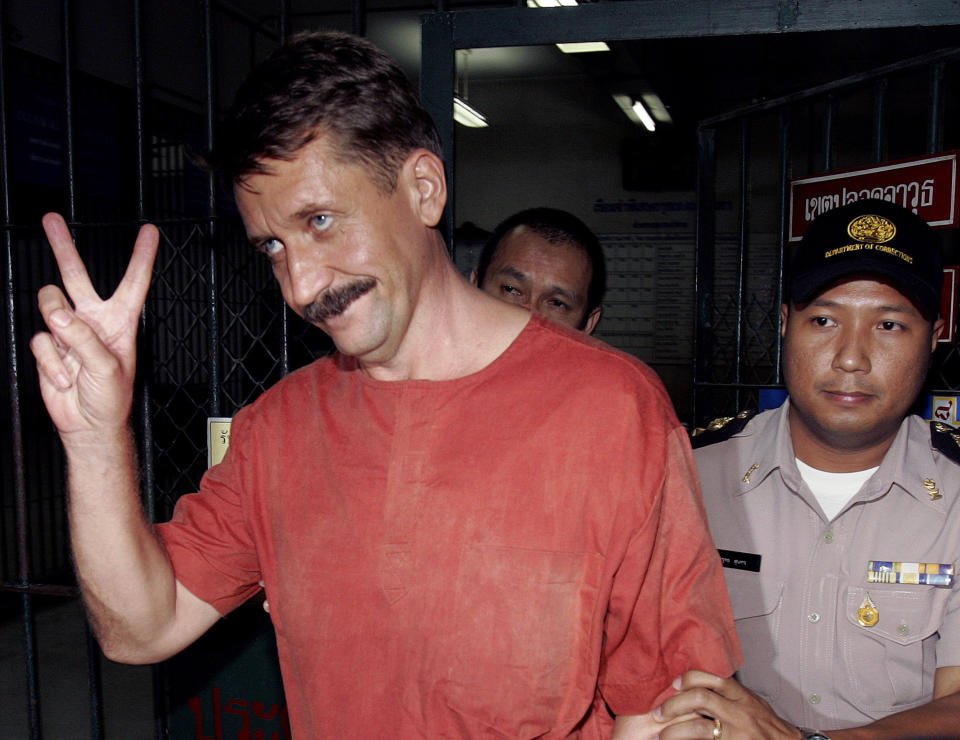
(42, 589)
(650, 19)
(814, 92)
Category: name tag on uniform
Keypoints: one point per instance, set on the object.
(915, 574)
(739, 560)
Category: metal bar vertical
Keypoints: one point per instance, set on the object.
(360, 17)
(829, 113)
(95, 693)
(16, 417)
(744, 224)
(786, 131)
(705, 261)
(284, 25)
(71, 182)
(147, 462)
(284, 311)
(935, 129)
(436, 94)
(880, 120)
(213, 287)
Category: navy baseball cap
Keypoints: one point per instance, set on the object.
(871, 237)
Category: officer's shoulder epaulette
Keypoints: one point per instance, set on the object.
(720, 429)
(945, 439)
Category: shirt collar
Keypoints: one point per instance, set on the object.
(916, 472)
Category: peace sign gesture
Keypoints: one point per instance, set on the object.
(87, 359)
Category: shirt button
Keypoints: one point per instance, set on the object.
(813, 617)
(903, 629)
(828, 536)
(814, 698)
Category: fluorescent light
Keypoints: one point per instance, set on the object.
(466, 115)
(656, 107)
(582, 47)
(645, 119)
(578, 47)
(635, 111)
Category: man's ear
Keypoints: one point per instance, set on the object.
(425, 175)
(784, 313)
(591, 323)
(473, 277)
(938, 327)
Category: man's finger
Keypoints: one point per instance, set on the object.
(50, 365)
(697, 728)
(72, 270)
(726, 687)
(74, 336)
(693, 701)
(136, 280)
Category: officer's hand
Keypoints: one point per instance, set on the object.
(87, 360)
(742, 714)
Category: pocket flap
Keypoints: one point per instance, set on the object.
(904, 615)
(752, 594)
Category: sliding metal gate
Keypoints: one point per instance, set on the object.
(215, 332)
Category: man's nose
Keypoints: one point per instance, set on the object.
(853, 352)
(307, 275)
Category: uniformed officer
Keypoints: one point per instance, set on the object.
(837, 516)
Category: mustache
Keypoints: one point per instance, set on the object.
(335, 302)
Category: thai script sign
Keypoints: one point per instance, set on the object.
(925, 185)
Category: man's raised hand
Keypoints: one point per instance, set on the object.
(87, 359)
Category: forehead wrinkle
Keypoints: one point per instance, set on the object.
(511, 271)
(905, 307)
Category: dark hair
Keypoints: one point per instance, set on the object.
(557, 227)
(319, 83)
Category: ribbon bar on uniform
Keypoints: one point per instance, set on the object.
(918, 574)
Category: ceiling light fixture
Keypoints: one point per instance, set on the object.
(635, 111)
(464, 113)
(583, 47)
(656, 107)
(467, 115)
(578, 47)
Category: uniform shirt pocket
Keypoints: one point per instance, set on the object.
(890, 665)
(756, 602)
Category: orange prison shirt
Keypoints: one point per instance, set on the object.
(516, 553)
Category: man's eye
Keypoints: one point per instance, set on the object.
(509, 290)
(559, 305)
(271, 247)
(320, 222)
(889, 325)
(823, 321)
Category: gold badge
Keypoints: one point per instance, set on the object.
(931, 485)
(746, 476)
(867, 614)
(871, 229)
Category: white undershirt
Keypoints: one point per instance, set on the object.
(833, 490)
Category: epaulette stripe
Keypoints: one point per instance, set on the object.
(720, 429)
(945, 439)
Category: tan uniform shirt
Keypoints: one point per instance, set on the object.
(797, 582)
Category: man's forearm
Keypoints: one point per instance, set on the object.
(938, 719)
(126, 579)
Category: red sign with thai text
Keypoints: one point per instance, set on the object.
(926, 185)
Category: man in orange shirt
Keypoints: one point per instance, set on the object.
(468, 520)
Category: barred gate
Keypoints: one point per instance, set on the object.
(215, 331)
(748, 157)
